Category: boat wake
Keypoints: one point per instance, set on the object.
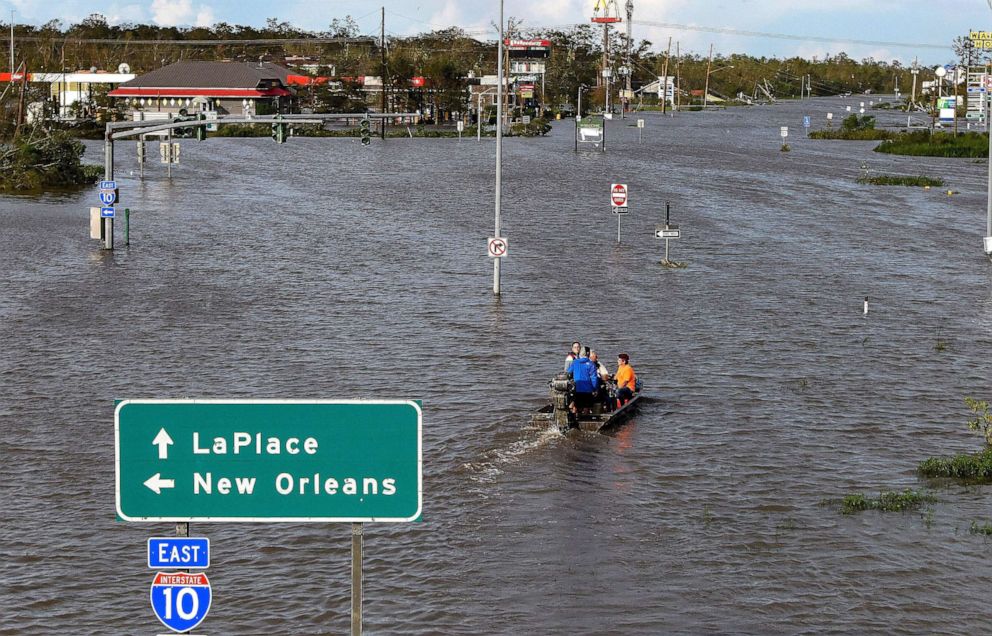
(494, 461)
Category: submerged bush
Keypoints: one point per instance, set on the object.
(42, 159)
(920, 143)
(892, 180)
(974, 467)
(888, 501)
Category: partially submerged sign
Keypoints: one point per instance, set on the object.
(268, 460)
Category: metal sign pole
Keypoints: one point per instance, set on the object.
(356, 577)
(169, 154)
(108, 175)
(499, 145)
(619, 216)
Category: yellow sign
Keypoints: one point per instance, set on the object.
(981, 39)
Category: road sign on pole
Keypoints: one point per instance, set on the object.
(784, 131)
(178, 552)
(618, 195)
(106, 213)
(268, 460)
(180, 600)
(497, 247)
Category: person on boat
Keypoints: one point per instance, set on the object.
(603, 392)
(626, 380)
(586, 382)
(573, 354)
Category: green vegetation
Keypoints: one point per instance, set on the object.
(970, 467)
(983, 529)
(921, 143)
(982, 422)
(38, 159)
(443, 57)
(863, 134)
(786, 148)
(887, 501)
(855, 128)
(891, 180)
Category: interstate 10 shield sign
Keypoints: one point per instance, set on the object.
(180, 600)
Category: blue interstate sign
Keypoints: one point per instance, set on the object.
(108, 185)
(806, 121)
(108, 197)
(180, 600)
(178, 552)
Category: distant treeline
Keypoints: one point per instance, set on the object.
(442, 57)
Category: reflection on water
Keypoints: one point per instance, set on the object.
(321, 269)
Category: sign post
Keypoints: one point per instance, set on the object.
(668, 231)
(618, 199)
(640, 127)
(352, 461)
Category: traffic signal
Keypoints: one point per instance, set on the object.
(279, 132)
(366, 129)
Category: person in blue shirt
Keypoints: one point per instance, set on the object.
(586, 378)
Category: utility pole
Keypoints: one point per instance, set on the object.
(382, 65)
(706, 89)
(499, 145)
(678, 76)
(915, 71)
(627, 85)
(606, 68)
(12, 46)
(664, 90)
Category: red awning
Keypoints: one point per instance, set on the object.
(125, 91)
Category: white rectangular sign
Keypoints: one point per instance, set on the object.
(784, 131)
(640, 123)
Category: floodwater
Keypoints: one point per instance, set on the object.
(322, 269)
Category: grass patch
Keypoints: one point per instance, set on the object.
(920, 143)
(893, 180)
(863, 134)
(886, 501)
(973, 467)
(983, 529)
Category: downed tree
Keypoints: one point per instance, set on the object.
(40, 159)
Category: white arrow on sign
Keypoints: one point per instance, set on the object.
(163, 441)
(155, 483)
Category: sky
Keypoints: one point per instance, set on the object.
(926, 22)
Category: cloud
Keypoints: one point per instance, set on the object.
(181, 12)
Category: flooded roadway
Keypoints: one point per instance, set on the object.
(321, 269)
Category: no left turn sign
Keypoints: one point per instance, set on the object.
(618, 195)
(497, 247)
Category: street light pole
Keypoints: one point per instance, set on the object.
(706, 88)
(499, 143)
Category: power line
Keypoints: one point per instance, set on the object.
(255, 42)
(785, 36)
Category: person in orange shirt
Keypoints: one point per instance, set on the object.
(626, 380)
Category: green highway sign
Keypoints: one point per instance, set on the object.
(268, 460)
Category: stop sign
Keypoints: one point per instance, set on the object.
(618, 195)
